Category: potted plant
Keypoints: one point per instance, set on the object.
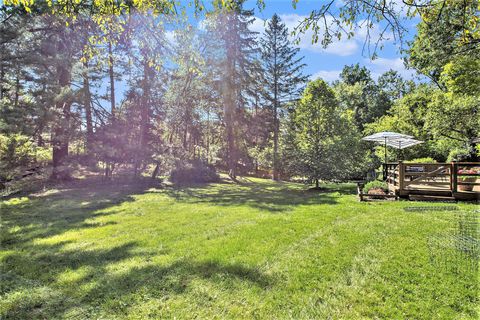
(376, 189)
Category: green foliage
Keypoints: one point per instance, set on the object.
(195, 172)
(445, 121)
(448, 30)
(446, 52)
(461, 76)
(375, 185)
(455, 117)
(353, 74)
(357, 91)
(327, 144)
(393, 85)
(458, 154)
(263, 155)
(421, 160)
(17, 153)
(223, 93)
(283, 76)
(239, 72)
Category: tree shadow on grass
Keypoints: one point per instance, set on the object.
(31, 269)
(34, 280)
(273, 197)
(64, 208)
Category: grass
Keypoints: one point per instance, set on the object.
(258, 249)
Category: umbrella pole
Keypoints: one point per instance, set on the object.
(385, 150)
(385, 169)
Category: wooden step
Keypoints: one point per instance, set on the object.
(428, 192)
(467, 195)
(421, 197)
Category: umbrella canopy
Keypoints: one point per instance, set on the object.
(385, 137)
(403, 143)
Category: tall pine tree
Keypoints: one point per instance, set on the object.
(283, 74)
(239, 68)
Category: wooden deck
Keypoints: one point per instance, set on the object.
(434, 181)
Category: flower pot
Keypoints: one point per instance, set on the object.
(466, 187)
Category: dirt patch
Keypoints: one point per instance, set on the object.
(376, 191)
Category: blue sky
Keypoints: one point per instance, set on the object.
(327, 63)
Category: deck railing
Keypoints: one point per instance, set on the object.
(445, 176)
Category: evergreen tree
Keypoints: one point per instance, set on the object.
(283, 75)
(239, 69)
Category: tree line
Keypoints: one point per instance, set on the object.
(147, 91)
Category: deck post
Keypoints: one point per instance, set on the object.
(401, 175)
(453, 177)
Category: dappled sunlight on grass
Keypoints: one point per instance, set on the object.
(254, 249)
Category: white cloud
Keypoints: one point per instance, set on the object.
(377, 67)
(399, 7)
(258, 25)
(382, 65)
(327, 75)
(343, 47)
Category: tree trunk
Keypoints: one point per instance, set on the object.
(229, 119)
(230, 141)
(156, 170)
(275, 139)
(230, 92)
(317, 184)
(41, 125)
(275, 113)
(112, 79)
(107, 170)
(208, 135)
(2, 78)
(40, 141)
(17, 88)
(144, 116)
(255, 140)
(60, 140)
(88, 109)
(185, 135)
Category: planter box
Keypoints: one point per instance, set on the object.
(466, 187)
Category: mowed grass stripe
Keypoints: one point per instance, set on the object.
(259, 249)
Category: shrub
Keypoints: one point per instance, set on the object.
(375, 185)
(19, 152)
(422, 160)
(195, 172)
(459, 154)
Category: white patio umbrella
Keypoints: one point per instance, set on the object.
(385, 138)
(403, 143)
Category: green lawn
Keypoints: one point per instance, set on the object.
(253, 250)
